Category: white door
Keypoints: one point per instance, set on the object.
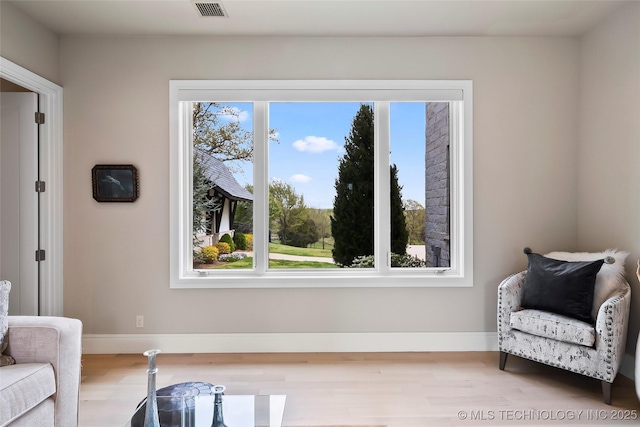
(19, 200)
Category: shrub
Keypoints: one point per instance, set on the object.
(364, 261)
(240, 239)
(209, 254)
(198, 257)
(398, 260)
(228, 240)
(249, 238)
(223, 248)
(232, 257)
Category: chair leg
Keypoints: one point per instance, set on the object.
(503, 359)
(606, 392)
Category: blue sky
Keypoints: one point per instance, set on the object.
(311, 140)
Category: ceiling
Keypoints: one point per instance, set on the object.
(322, 17)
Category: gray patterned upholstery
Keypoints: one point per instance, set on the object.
(553, 340)
(551, 325)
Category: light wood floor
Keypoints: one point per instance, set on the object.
(392, 389)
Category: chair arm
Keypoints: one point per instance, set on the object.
(611, 326)
(55, 340)
(509, 298)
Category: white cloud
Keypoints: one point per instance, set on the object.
(315, 144)
(300, 178)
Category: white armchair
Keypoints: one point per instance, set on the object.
(595, 350)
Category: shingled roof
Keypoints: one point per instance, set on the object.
(222, 178)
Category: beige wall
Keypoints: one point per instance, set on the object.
(27, 43)
(116, 110)
(526, 160)
(609, 151)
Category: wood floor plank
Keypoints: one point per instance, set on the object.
(391, 389)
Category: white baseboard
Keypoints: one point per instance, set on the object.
(291, 342)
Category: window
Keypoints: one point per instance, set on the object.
(321, 183)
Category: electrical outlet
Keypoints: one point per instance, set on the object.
(139, 321)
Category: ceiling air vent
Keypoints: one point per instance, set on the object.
(210, 9)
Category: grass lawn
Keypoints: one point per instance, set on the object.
(281, 263)
(247, 263)
(277, 248)
(328, 244)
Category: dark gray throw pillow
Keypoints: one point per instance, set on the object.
(562, 287)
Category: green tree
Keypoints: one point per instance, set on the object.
(352, 219)
(244, 214)
(322, 220)
(286, 208)
(416, 217)
(399, 234)
(303, 232)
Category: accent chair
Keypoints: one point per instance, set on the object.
(594, 347)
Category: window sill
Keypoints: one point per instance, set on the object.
(408, 279)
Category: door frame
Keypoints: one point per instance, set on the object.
(51, 208)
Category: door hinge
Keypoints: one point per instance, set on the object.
(39, 118)
(40, 255)
(40, 186)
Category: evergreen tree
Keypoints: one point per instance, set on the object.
(399, 233)
(352, 219)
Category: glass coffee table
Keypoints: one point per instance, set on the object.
(197, 411)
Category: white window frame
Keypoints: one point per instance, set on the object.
(382, 93)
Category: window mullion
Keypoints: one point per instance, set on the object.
(261, 186)
(186, 208)
(382, 215)
(457, 201)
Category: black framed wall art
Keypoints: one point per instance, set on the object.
(115, 183)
